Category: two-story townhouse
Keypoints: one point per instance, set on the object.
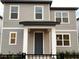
(34, 27)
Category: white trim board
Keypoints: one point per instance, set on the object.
(12, 28)
(36, 27)
(1, 36)
(66, 30)
(30, 27)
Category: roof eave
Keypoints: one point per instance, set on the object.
(28, 2)
(63, 8)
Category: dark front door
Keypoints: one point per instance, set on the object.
(38, 43)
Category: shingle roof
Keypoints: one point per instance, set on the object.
(26, 1)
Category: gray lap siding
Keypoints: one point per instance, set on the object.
(6, 48)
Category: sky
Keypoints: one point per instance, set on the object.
(56, 3)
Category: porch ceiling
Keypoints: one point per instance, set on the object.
(39, 23)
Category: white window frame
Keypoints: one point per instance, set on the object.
(63, 39)
(10, 39)
(35, 12)
(10, 12)
(62, 16)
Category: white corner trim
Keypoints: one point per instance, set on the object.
(53, 41)
(10, 12)
(1, 36)
(66, 30)
(10, 38)
(42, 12)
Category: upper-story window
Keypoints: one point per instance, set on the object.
(63, 39)
(14, 12)
(62, 16)
(38, 12)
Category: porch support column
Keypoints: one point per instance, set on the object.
(54, 41)
(25, 41)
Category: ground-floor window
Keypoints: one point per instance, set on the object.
(12, 38)
(63, 39)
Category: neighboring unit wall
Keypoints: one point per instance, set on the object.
(72, 19)
(67, 28)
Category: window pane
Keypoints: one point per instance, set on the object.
(58, 19)
(12, 40)
(66, 37)
(38, 16)
(65, 19)
(59, 37)
(14, 9)
(38, 13)
(14, 15)
(58, 15)
(38, 10)
(66, 43)
(59, 43)
(13, 34)
(65, 15)
(14, 12)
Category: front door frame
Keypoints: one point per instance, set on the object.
(34, 40)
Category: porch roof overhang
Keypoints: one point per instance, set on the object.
(28, 1)
(39, 23)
